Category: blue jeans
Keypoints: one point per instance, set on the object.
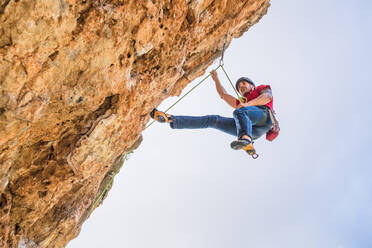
(252, 120)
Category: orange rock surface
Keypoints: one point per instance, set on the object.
(77, 82)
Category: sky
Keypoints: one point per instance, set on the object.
(311, 187)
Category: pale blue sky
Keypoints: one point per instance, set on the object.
(310, 188)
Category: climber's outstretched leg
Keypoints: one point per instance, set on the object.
(254, 121)
(223, 124)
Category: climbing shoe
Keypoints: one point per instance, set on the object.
(245, 145)
(159, 116)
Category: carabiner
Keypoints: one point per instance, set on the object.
(241, 98)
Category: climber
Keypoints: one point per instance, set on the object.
(252, 116)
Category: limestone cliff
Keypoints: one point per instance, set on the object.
(77, 82)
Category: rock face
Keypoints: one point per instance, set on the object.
(77, 82)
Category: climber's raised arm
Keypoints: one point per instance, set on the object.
(222, 92)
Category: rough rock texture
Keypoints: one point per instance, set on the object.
(77, 81)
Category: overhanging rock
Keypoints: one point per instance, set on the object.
(77, 81)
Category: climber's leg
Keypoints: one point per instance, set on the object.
(223, 124)
(258, 131)
(246, 117)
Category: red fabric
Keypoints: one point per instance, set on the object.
(255, 93)
(272, 134)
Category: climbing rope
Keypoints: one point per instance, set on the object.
(104, 191)
(221, 64)
(227, 76)
(193, 88)
(241, 98)
(111, 179)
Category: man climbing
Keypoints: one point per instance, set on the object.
(252, 117)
